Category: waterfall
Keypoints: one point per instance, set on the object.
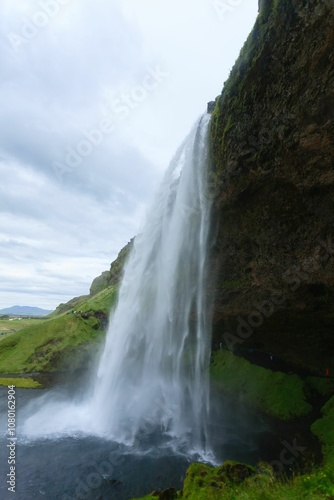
(153, 374)
(154, 368)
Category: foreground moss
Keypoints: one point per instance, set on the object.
(206, 483)
(324, 429)
(233, 481)
(324, 386)
(275, 393)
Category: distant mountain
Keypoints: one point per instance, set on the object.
(25, 311)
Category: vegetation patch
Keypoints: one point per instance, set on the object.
(44, 347)
(234, 481)
(101, 301)
(324, 386)
(275, 393)
(24, 383)
(324, 429)
(262, 484)
(10, 325)
(63, 341)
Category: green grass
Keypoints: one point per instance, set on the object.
(42, 347)
(25, 383)
(275, 393)
(102, 301)
(59, 342)
(7, 327)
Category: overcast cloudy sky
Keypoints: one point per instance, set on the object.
(95, 98)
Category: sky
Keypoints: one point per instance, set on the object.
(95, 98)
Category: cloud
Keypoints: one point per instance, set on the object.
(95, 98)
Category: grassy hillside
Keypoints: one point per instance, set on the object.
(61, 341)
(7, 326)
(106, 280)
(66, 338)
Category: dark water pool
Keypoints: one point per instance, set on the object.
(91, 468)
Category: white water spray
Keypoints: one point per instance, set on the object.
(153, 374)
(154, 366)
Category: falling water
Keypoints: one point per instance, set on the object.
(152, 377)
(154, 368)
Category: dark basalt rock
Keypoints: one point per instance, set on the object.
(272, 186)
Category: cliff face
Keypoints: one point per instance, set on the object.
(272, 185)
(106, 280)
(114, 275)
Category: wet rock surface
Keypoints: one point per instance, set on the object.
(272, 186)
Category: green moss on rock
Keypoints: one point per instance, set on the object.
(324, 429)
(203, 481)
(275, 393)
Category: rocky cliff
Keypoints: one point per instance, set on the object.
(106, 280)
(272, 186)
(114, 275)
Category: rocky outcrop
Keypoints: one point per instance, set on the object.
(272, 185)
(116, 267)
(114, 275)
(99, 283)
(105, 280)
